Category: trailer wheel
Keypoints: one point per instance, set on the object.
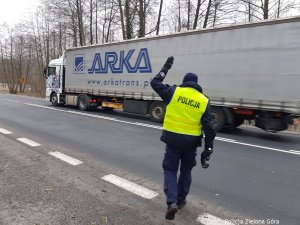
(54, 99)
(218, 118)
(83, 102)
(108, 109)
(157, 111)
(238, 120)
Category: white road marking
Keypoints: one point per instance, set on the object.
(66, 158)
(263, 147)
(224, 139)
(296, 152)
(4, 131)
(8, 100)
(159, 128)
(28, 142)
(208, 219)
(130, 186)
(97, 116)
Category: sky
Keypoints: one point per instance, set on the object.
(14, 11)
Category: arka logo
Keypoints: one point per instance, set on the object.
(79, 64)
(119, 62)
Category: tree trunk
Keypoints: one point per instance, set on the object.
(207, 14)
(80, 22)
(189, 15)
(129, 30)
(91, 22)
(4, 69)
(142, 18)
(110, 20)
(74, 28)
(278, 8)
(122, 19)
(179, 16)
(96, 22)
(13, 89)
(159, 15)
(104, 22)
(27, 67)
(249, 11)
(266, 9)
(199, 3)
(216, 5)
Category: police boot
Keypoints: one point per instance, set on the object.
(172, 210)
(181, 204)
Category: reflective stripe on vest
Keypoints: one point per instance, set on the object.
(184, 112)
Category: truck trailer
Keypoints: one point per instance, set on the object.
(249, 72)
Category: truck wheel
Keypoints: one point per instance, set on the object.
(108, 109)
(157, 111)
(83, 102)
(54, 99)
(238, 120)
(218, 118)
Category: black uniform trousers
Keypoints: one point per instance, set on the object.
(176, 191)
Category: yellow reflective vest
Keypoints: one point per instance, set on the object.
(184, 112)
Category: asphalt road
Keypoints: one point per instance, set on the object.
(253, 176)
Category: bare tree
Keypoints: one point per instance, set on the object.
(122, 19)
(129, 19)
(91, 22)
(107, 19)
(265, 9)
(188, 14)
(159, 17)
(207, 13)
(79, 14)
(179, 16)
(265, 6)
(199, 4)
(142, 18)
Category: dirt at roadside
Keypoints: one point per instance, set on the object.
(30, 194)
(4, 89)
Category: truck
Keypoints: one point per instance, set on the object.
(249, 71)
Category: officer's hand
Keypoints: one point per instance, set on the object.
(205, 156)
(168, 64)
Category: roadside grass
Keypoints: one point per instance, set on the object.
(28, 92)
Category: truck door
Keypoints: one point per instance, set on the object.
(54, 80)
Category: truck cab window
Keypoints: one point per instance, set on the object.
(51, 71)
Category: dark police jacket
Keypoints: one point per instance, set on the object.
(176, 140)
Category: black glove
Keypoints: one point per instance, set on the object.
(168, 64)
(205, 156)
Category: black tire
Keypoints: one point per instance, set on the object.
(157, 111)
(83, 102)
(107, 109)
(218, 118)
(238, 120)
(54, 99)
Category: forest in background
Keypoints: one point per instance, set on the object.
(26, 48)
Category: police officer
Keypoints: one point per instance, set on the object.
(187, 114)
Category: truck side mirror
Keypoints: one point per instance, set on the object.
(45, 72)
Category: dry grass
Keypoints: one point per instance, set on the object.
(3, 90)
(28, 92)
